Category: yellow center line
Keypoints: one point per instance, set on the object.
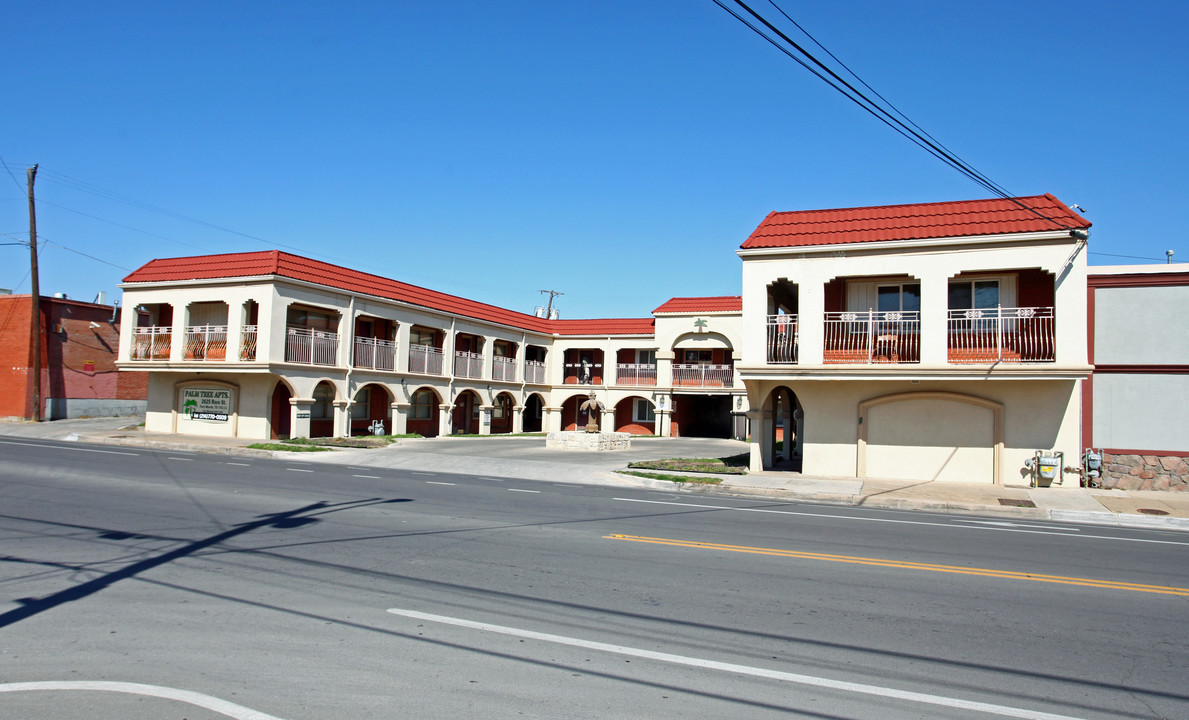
(903, 565)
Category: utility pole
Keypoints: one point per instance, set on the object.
(552, 294)
(35, 301)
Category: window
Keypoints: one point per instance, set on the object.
(502, 407)
(422, 405)
(642, 411)
(899, 298)
(312, 319)
(698, 357)
(421, 336)
(323, 401)
(646, 357)
(360, 406)
(974, 294)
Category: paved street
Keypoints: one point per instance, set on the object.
(244, 587)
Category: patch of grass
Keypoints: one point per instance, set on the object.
(289, 447)
(493, 435)
(732, 465)
(674, 478)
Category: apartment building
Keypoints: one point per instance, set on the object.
(940, 341)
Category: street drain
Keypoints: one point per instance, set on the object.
(1152, 511)
(1012, 502)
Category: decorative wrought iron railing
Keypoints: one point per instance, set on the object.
(151, 343)
(425, 359)
(635, 374)
(872, 337)
(247, 343)
(703, 375)
(311, 347)
(534, 372)
(1008, 335)
(468, 364)
(783, 338)
(375, 354)
(206, 342)
(503, 368)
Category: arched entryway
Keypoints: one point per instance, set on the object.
(465, 420)
(322, 410)
(533, 413)
(635, 415)
(424, 411)
(281, 414)
(501, 414)
(372, 403)
(784, 430)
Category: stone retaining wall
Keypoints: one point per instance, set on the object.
(580, 440)
(1145, 472)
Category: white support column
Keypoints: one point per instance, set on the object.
(445, 413)
(342, 419)
(177, 337)
(664, 368)
(811, 331)
(518, 419)
(400, 418)
(299, 417)
(485, 419)
(552, 419)
(756, 444)
(935, 300)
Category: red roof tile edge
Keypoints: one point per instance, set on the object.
(693, 305)
(296, 267)
(964, 218)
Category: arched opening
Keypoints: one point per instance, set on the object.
(322, 411)
(784, 429)
(280, 419)
(465, 420)
(501, 414)
(635, 415)
(424, 410)
(372, 404)
(533, 413)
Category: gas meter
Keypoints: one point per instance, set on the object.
(1045, 466)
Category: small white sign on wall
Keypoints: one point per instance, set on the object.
(210, 404)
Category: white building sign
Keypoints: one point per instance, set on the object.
(206, 403)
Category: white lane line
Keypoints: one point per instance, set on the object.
(214, 704)
(434, 482)
(240, 464)
(565, 485)
(950, 525)
(1008, 523)
(492, 479)
(811, 680)
(182, 459)
(369, 477)
(67, 447)
(298, 470)
(524, 491)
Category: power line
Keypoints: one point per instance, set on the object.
(893, 118)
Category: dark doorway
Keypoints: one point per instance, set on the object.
(280, 411)
(532, 414)
(706, 416)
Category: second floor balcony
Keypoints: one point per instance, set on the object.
(637, 374)
(503, 368)
(468, 364)
(311, 347)
(534, 372)
(1007, 335)
(702, 375)
(425, 359)
(872, 336)
(375, 354)
(206, 342)
(151, 343)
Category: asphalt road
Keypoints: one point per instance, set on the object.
(143, 584)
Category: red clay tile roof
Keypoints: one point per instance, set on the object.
(688, 305)
(275, 262)
(911, 222)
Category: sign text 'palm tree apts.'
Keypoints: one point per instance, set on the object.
(207, 403)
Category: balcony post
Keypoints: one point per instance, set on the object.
(400, 418)
(664, 368)
(935, 301)
(299, 417)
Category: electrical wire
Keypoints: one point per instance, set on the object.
(893, 118)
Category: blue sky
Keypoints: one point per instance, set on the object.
(618, 152)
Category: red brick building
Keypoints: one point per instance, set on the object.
(79, 344)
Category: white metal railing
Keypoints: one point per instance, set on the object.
(503, 368)
(635, 374)
(1010, 335)
(151, 343)
(704, 375)
(783, 338)
(375, 353)
(206, 342)
(534, 372)
(247, 343)
(468, 364)
(425, 359)
(873, 337)
(311, 347)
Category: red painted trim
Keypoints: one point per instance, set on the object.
(1141, 369)
(1137, 280)
(1165, 453)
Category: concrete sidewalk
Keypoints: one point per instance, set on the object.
(527, 458)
